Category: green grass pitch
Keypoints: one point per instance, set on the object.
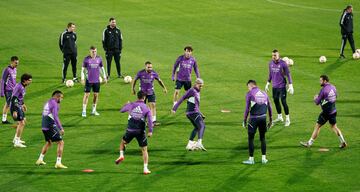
(232, 42)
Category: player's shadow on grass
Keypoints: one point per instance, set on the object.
(338, 63)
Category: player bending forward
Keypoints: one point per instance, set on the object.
(138, 112)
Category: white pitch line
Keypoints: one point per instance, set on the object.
(302, 6)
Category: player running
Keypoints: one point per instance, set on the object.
(182, 71)
(52, 129)
(8, 82)
(257, 103)
(194, 115)
(93, 65)
(18, 108)
(277, 72)
(138, 112)
(147, 77)
(327, 99)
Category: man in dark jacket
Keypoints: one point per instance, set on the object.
(346, 24)
(112, 43)
(67, 44)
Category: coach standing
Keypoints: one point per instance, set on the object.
(346, 24)
(112, 43)
(67, 44)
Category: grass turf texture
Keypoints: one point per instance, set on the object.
(233, 42)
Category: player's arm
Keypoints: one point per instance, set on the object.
(104, 73)
(342, 20)
(269, 79)
(176, 65)
(15, 105)
(133, 83)
(61, 41)
(127, 107)
(104, 39)
(150, 123)
(318, 98)
(3, 81)
(185, 96)
(247, 109)
(270, 112)
(162, 84)
(196, 69)
(120, 40)
(83, 75)
(288, 75)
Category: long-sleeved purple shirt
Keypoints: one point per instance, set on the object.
(193, 103)
(138, 112)
(8, 80)
(19, 92)
(327, 98)
(93, 67)
(185, 66)
(147, 81)
(277, 72)
(51, 110)
(257, 103)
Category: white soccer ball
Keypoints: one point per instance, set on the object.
(357, 51)
(69, 83)
(322, 59)
(356, 55)
(127, 79)
(291, 62)
(286, 59)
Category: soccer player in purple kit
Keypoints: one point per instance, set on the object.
(182, 71)
(326, 98)
(193, 114)
(147, 77)
(92, 65)
(257, 103)
(8, 82)
(278, 69)
(18, 108)
(52, 129)
(138, 114)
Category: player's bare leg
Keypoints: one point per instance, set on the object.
(95, 100)
(122, 149)
(60, 150)
(85, 101)
(176, 95)
(339, 134)
(45, 148)
(146, 159)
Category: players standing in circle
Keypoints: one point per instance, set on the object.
(182, 69)
(112, 44)
(278, 69)
(194, 115)
(257, 103)
(18, 108)
(67, 44)
(90, 77)
(138, 112)
(52, 129)
(8, 82)
(327, 99)
(346, 24)
(147, 77)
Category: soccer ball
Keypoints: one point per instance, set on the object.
(357, 51)
(127, 79)
(322, 59)
(69, 83)
(356, 55)
(291, 62)
(286, 59)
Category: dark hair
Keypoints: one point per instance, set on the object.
(70, 23)
(147, 62)
(92, 47)
(14, 58)
(275, 51)
(111, 19)
(251, 82)
(25, 77)
(141, 95)
(325, 78)
(57, 92)
(348, 7)
(188, 47)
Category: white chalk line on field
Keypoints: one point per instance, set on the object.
(302, 6)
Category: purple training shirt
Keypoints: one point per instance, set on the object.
(8, 80)
(93, 67)
(193, 103)
(327, 98)
(19, 92)
(138, 112)
(185, 68)
(257, 103)
(277, 72)
(147, 81)
(51, 109)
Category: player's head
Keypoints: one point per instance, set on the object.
(71, 27)
(148, 66)
(188, 51)
(251, 84)
(58, 95)
(275, 55)
(93, 51)
(141, 95)
(199, 83)
(26, 79)
(324, 79)
(112, 22)
(349, 8)
(14, 61)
